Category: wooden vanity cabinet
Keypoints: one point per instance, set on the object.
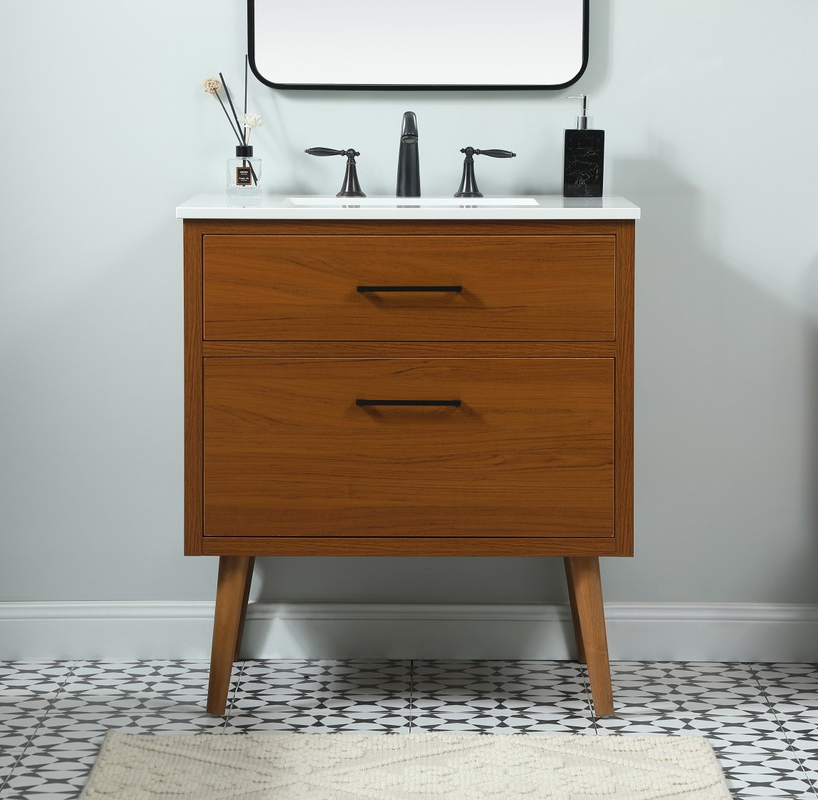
(409, 388)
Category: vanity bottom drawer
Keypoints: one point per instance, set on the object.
(517, 447)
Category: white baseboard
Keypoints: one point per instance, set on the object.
(661, 631)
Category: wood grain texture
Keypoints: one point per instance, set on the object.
(575, 622)
(193, 520)
(624, 387)
(513, 288)
(529, 452)
(619, 349)
(245, 602)
(228, 622)
(410, 349)
(586, 588)
(348, 227)
(444, 546)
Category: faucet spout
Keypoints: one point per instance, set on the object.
(408, 158)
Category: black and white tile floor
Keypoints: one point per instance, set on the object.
(762, 719)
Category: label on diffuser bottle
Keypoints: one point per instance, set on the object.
(244, 178)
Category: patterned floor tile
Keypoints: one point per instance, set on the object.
(16, 731)
(92, 706)
(9, 756)
(793, 696)
(42, 793)
(791, 689)
(8, 747)
(62, 751)
(57, 769)
(137, 677)
(756, 758)
(23, 712)
(771, 793)
(722, 702)
(32, 678)
(60, 730)
(500, 696)
(337, 677)
(25, 705)
(688, 724)
(803, 737)
(762, 719)
(798, 676)
(694, 689)
(313, 696)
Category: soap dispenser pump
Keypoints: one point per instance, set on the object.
(584, 158)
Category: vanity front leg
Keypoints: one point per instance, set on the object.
(232, 591)
(585, 587)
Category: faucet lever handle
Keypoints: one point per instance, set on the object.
(473, 151)
(496, 153)
(328, 151)
(350, 187)
(468, 183)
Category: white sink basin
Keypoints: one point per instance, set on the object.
(409, 202)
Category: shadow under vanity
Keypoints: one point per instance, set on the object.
(409, 380)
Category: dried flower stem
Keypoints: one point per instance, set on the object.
(250, 122)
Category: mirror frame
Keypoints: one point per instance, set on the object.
(268, 81)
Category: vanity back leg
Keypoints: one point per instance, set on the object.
(572, 600)
(231, 605)
(242, 619)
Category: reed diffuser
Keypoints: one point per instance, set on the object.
(243, 171)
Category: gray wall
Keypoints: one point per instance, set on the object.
(710, 114)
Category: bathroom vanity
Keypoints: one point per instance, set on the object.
(436, 379)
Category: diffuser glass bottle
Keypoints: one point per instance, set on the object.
(244, 175)
(584, 158)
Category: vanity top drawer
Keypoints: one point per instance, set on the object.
(409, 288)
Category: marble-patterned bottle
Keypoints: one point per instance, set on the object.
(584, 157)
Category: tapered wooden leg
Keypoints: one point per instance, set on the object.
(572, 600)
(231, 593)
(240, 635)
(587, 591)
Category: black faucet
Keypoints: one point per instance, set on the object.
(408, 160)
(468, 183)
(351, 187)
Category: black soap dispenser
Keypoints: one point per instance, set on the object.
(584, 157)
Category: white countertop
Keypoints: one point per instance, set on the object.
(216, 206)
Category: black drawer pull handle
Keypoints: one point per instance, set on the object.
(450, 403)
(364, 289)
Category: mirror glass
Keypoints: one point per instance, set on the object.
(423, 44)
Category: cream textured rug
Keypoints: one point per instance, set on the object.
(341, 766)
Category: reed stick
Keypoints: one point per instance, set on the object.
(232, 126)
(232, 108)
(246, 61)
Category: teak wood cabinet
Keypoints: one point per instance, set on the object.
(409, 388)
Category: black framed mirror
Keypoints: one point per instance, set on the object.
(425, 44)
